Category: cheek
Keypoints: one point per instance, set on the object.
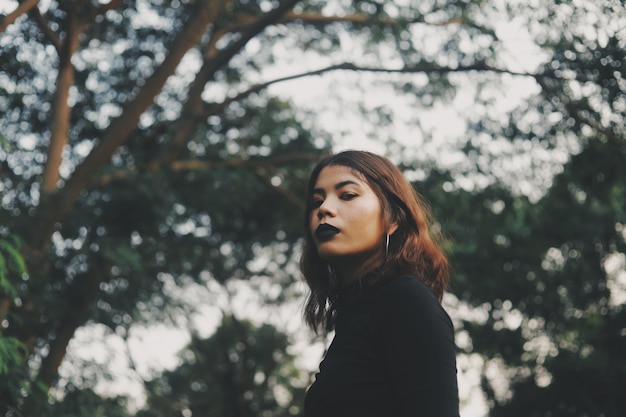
(371, 219)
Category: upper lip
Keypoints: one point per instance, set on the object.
(325, 230)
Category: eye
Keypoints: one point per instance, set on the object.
(348, 196)
(316, 203)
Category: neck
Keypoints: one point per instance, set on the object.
(351, 270)
(346, 277)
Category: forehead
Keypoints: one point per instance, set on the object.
(332, 175)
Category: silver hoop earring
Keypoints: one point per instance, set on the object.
(387, 246)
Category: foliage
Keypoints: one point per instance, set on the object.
(548, 283)
(143, 152)
(12, 350)
(11, 265)
(241, 370)
(575, 295)
(85, 402)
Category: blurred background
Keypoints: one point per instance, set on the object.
(153, 159)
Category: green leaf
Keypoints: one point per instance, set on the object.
(11, 353)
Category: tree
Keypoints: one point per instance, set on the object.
(96, 256)
(11, 264)
(12, 351)
(547, 279)
(577, 300)
(80, 402)
(143, 145)
(241, 370)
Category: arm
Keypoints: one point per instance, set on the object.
(419, 351)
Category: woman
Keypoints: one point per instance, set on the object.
(377, 276)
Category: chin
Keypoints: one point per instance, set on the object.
(328, 255)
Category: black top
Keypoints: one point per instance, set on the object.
(393, 355)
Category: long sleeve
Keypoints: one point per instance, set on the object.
(419, 352)
(393, 355)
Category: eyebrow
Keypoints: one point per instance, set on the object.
(338, 186)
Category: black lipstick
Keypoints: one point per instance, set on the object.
(325, 231)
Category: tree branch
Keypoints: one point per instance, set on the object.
(5, 306)
(321, 19)
(81, 299)
(294, 199)
(120, 129)
(193, 117)
(22, 7)
(257, 166)
(578, 114)
(51, 35)
(195, 164)
(348, 66)
(61, 107)
(199, 165)
(188, 121)
(103, 8)
(94, 11)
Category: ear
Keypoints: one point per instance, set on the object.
(392, 228)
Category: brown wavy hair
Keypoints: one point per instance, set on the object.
(414, 248)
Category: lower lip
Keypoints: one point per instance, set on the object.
(326, 235)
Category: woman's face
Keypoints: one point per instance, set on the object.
(346, 221)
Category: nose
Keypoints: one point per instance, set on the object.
(326, 209)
